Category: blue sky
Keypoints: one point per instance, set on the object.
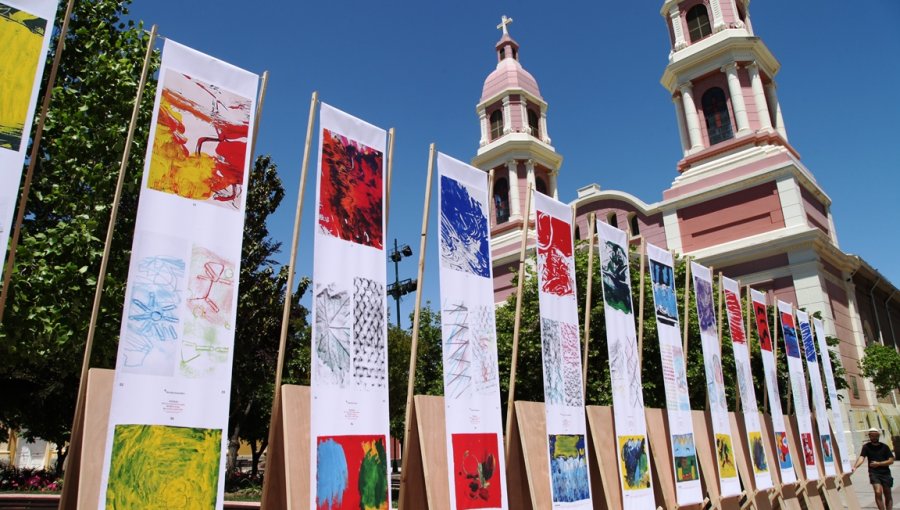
(419, 67)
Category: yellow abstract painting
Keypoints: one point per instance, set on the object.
(21, 39)
(157, 466)
(725, 456)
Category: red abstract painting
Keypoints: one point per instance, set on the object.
(476, 471)
(735, 317)
(554, 238)
(808, 455)
(762, 326)
(351, 194)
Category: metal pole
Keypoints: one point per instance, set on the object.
(396, 258)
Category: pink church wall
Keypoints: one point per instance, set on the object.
(742, 214)
(749, 99)
(729, 11)
(758, 265)
(503, 281)
(651, 226)
(816, 213)
(515, 113)
(840, 310)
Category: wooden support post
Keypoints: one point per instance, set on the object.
(587, 301)
(687, 303)
(390, 175)
(641, 309)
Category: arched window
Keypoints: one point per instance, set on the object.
(742, 11)
(577, 233)
(612, 219)
(496, 124)
(540, 185)
(501, 200)
(534, 125)
(698, 22)
(718, 121)
(633, 224)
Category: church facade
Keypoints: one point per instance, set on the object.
(742, 201)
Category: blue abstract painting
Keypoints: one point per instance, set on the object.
(808, 346)
(568, 468)
(465, 243)
(790, 335)
(331, 474)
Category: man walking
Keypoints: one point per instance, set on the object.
(880, 458)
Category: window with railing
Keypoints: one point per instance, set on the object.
(534, 125)
(718, 120)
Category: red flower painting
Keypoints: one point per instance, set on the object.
(476, 471)
(554, 238)
(351, 193)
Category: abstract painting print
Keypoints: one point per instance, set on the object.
(351, 473)
(790, 335)
(783, 450)
(351, 191)
(554, 248)
(554, 385)
(758, 453)
(476, 476)
(200, 142)
(208, 329)
(635, 463)
(465, 244)
(21, 37)
(568, 468)
(705, 309)
(334, 327)
(734, 317)
(725, 456)
(685, 455)
(616, 287)
(762, 326)
(369, 353)
(809, 455)
(157, 466)
(663, 280)
(827, 448)
(484, 369)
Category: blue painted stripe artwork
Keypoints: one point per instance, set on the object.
(465, 244)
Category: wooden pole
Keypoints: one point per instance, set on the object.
(687, 303)
(414, 345)
(264, 82)
(641, 308)
(78, 420)
(491, 209)
(33, 157)
(737, 402)
(390, 175)
(751, 313)
(587, 301)
(510, 402)
(788, 394)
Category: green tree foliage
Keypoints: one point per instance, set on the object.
(881, 365)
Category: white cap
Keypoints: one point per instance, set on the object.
(873, 429)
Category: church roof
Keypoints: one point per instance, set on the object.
(509, 74)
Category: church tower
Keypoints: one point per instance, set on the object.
(515, 145)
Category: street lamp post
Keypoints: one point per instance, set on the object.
(400, 288)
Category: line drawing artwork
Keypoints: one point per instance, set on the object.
(623, 366)
(153, 316)
(568, 468)
(554, 248)
(22, 38)
(635, 464)
(351, 191)
(554, 387)
(484, 368)
(715, 385)
(457, 358)
(685, 454)
(207, 329)
(571, 354)
(334, 326)
(200, 141)
(616, 285)
(705, 309)
(369, 353)
(680, 397)
(465, 244)
(663, 280)
(744, 379)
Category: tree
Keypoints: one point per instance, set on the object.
(881, 365)
(52, 287)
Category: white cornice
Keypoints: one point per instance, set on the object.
(710, 54)
(640, 205)
(531, 98)
(517, 146)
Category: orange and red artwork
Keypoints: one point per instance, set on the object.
(476, 471)
(735, 317)
(762, 325)
(351, 194)
(200, 144)
(555, 252)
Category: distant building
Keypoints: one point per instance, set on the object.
(742, 200)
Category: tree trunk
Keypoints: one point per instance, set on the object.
(258, 454)
(61, 454)
(233, 444)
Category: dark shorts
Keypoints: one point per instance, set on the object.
(886, 481)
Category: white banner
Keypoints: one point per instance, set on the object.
(26, 27)
(169, 414)
(818, 394)
(837, 423)
(561, 349)
(786, 464)
(798, 389)
(715, 382)
(475, 453)
(678, 403)
(350, 418)
(625, 371)
(755, 445)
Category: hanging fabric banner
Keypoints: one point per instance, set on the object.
(837, 423)
(715, 382)
(561, 349)
(350, 420)
(782, 450)
(749, 406)
(475, 454)
(26, 27)
(671, 351)
(818, 393)
(169, 413)
(798, 389)
(625, 371)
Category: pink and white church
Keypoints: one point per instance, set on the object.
(742, 200)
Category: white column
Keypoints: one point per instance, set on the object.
(679, 119)
(677, 28)
(737, 98)
(507, 121)
(691, 117)
(772, 95)
(513, 177)
(482, 120)
(529, 172)
(524, 107)
(553, 190)
(545, 136)
(759, 96)
(717, 19)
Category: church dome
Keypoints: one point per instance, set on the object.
(509, 73)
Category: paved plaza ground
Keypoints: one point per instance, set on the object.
(864, 490)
